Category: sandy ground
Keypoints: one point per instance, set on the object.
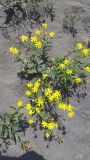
(76, 143)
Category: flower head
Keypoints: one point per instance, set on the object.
(28, 93)
(44, 124)
(38, 32)
(19, 103)
(69, 107)
(66, 61)
(44, 25)
(29, 84)
(47, 135)
(31, 112)
(24, 38)
(31, 121)
(87, 69)
(51, 34)
(14, 51)
(38, 44)
(79, 46)
(71, 114)
(28, 106)
(40, 101)
(45, 75)
(62, 106)
(38, 110)
(47, 92)
(69, 71)
(35, 89)
(85, 51)
(33, 39)
(51, 125)
(62, 66)
(56, 95)
(78, 80)
(36, 86)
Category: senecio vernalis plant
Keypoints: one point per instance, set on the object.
(49, 92)
(37, 46)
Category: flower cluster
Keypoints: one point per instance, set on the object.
(45, 107)
(66, 71)
(82, 47)
(38, 45)
(36, 40)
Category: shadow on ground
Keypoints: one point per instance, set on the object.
(27, 156)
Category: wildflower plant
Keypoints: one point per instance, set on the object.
(49, 94)
(37, 47)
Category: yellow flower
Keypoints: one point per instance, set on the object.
(33, 39)
(69, 107)
(51, 125)
(38, 32)
(44, 124)
(38, 110)
(24, 38)
(51, 34)
(29, 84)
(87, 69)
(37, 83)
(39, 101)
(38, 80)
(62, 66)
(69, 71)
(38, 44)
(36, 86)
(57, 94)
(45, 75)
(28, 93)
(47, 135)
(66, 61)
(28, 106)
(19, 103)
(79, 46)
(78, 80)
(35, 89)
(44, 25)
(62, 106)
(31, 112)
(71, 114)
(85, 51)
(31, 121)
(13, 50)
(47, 92)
